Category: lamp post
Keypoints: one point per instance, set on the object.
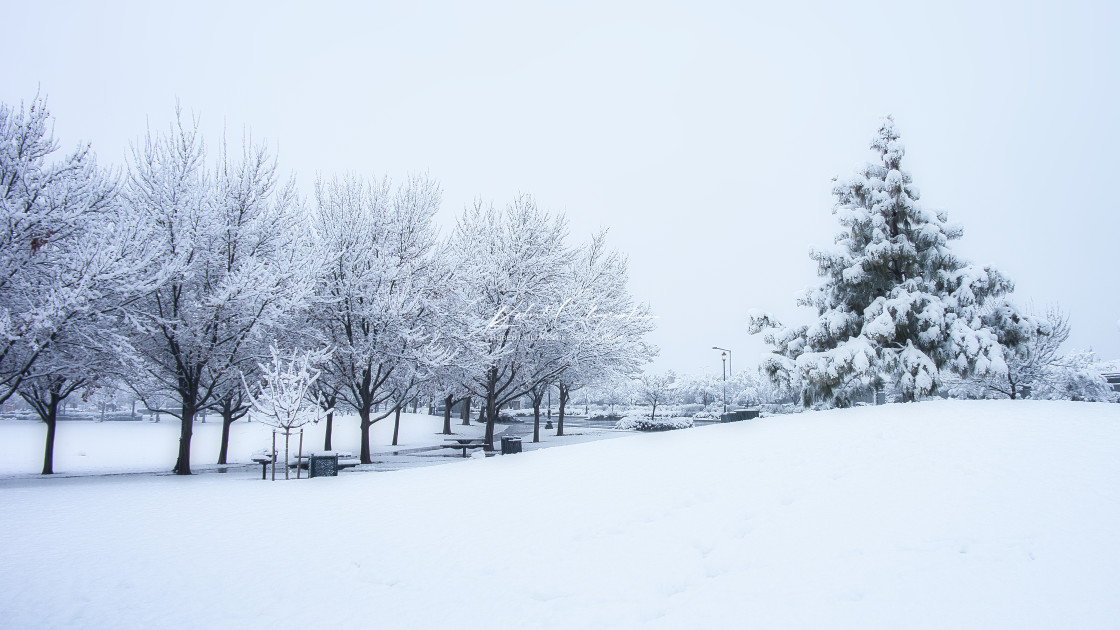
(726, 356)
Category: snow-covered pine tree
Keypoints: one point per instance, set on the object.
(897, 305)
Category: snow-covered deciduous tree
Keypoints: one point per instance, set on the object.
(281, 398)
(375, 292)
(512, 265)
(72, 265)
(656, 389)
(237, 262)
(897, 306)
(1030, 347)
(1075, 376)
(600, 336)
(70, 262)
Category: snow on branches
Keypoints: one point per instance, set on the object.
(283, 389)
(897, 306)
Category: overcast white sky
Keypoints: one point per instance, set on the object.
(703, 134)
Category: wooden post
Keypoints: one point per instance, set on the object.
(274, 455)
(299, 456)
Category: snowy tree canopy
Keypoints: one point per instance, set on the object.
(70, 260)
(232, 245)
(897, 305)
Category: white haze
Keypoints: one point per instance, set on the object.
(704, 135)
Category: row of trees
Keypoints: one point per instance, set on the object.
(899, 310)
(176, 276)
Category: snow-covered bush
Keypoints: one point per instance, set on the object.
(691, 409)
(642, 423)
(1074, 377)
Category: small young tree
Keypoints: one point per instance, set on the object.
(282, 393)
(656, 389)
(1030, 347)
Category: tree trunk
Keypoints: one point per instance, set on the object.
(536, 419)
(224, 450)
(48, 453)
(491, 413)
(327, 440)
(52, 421)
(491, 407)
(186, 429)
(466, 412)
(363, 414)
(287, 436)
(447, 403)
(396, 424)
(564, 390)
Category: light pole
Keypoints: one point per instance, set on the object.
(726, 356)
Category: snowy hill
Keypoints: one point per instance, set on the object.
(947, 514)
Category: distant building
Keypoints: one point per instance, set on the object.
(1113, 379)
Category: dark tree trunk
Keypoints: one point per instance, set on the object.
(364, 415)
(564, 390)
(48, 451)
(231, 410)
(186, 429)
(447, 404)
(52, 422)
(466, 412)
(45, 401)
(396, 424)
(224, 450)
(330, 426)
(537, 398)
(491, 407)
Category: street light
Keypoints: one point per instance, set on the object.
(726, 356)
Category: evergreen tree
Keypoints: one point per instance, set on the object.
(897, 306)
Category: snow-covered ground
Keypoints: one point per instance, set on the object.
(83, 447)
(946, 514)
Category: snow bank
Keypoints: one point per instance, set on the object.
(644, 423)
(945, 514)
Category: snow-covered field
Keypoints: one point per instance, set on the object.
(84, 447)
(946, 514)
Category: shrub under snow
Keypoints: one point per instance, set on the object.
(643, 423)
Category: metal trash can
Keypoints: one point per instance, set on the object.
(511, 445)
(322, 466)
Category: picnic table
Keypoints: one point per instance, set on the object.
(264, 461)
(464, 443)
(345, 460)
